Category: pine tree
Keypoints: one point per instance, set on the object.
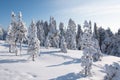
(21, 31)
(46, 28)
(114, 41)
(33, 41)
(71, 35)
(78, 37)
(88, 49)
(62, 31)
(97, 54)
(95, 33)
(40, 32)
(10, 38)
(90, 24)
(53, 34)
(11, 35)
(102, 36)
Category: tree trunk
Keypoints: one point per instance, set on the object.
(20, 47)
(86, 71)
(10, 48)
(33, 57)
(15, 48)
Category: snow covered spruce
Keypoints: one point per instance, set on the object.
(52, 39)
(16, 33)
(33, 41)
(112, 71)
(71, 35)
(90, 49)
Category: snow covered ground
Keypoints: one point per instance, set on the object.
(51, 65)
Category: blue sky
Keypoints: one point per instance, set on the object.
(105, 13)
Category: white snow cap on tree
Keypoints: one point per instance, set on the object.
(33, 42)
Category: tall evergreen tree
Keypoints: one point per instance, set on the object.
(71, 35)
(95, 33)
(11, 35)
(46, 28)
(53, 34)
(21, 31)
(88, 49)
(33, 41)
(62, 31)
(78, 37)
(40, 32)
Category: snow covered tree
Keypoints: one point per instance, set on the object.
(46, 28)
(107, 41)
(90, 24)
(78, 37)
(53, 34)
(62, 31)
(97, 55)
(11, 34)
(40, 32)
(47, 42)
(88, 49)
(10, 39)
(71, 35)
(95, 33)
(63, 45)
(102, 36)
(112, 71)
(16, 32)
(21, 31)
(33, 41)
(114, 45)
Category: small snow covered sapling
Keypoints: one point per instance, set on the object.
(112, 71)
(33, 41)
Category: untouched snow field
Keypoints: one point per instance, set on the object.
(50, 65)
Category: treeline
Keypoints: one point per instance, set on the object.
(50, 36)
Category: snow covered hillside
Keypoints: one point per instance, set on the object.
(51, 65)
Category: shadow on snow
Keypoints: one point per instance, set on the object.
(69, 76)
(74, 61)
(12, 61)
(58, 55)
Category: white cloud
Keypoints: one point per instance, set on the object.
(108, 15)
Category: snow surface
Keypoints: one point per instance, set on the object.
(51, 65)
